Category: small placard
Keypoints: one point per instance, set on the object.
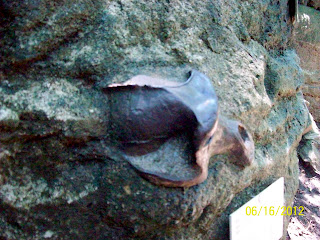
(260, 218)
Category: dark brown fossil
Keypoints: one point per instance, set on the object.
(146, 111)
(293, 10)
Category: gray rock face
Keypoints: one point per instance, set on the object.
(309, 147)
(59, 177)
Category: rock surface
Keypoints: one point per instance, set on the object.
(307, 45)
(59, 178)
(311, 3)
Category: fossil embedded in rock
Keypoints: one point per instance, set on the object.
(146, 111)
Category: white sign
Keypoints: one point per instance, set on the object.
(262, 217)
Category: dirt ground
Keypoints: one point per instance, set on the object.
(306, 227)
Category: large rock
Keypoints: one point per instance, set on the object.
(307, 45)
(60, 179)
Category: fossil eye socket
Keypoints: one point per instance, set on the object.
(243, 133)
(209, 140)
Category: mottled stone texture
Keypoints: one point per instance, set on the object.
(59, 177)
(307, 45)
(311, 3)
